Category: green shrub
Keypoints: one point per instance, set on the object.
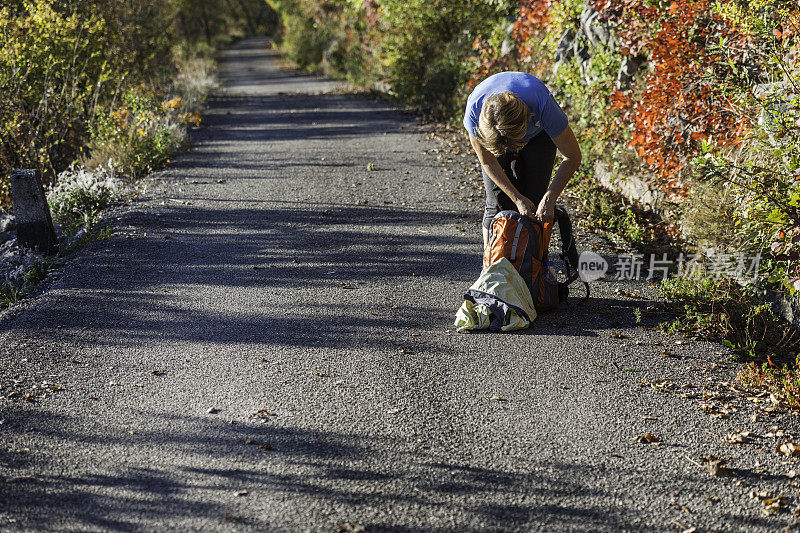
(140, 135)
(19, 282)
(722, 309)
(63, 63)
(79, 196)
(609, 211)
(420, 49)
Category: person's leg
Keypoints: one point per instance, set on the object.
(497, 200)
(533, 169)
(529, 170)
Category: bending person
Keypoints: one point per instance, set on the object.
(515, 127)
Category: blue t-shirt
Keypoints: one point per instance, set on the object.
(546, 114)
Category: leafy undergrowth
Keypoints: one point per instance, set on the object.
(80, 196)
(725, 310)
(722, 309)
(782, 382)
(609, 212)
(13, 290)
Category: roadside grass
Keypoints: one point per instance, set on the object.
(734, 314)
(13, 292)
(10, 294)
(782, 382)
(724, 310)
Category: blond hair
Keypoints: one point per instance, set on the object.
(502, 123)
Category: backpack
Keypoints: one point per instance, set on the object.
(525, 243)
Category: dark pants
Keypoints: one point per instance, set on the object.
(529, 170)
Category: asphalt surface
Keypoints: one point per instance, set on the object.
(266, 343)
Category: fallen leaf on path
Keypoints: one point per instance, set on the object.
(683, 508)
(261, 414)
(738, 437)
(649, 438)
(212, 410)
(774, 432)
(774, 505)
(158, 372)
(498, 399)
(788, 449)
(663, 385)
(714, 465)
(716, 410)
(242, 493)
(626, 293)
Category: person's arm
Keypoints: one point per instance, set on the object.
(497, 174)
(567, 144)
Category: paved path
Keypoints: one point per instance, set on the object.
(266, 344)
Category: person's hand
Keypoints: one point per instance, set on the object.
(525, 207)
(546, 211)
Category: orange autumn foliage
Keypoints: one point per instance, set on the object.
(691, 53)
(683, 102)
